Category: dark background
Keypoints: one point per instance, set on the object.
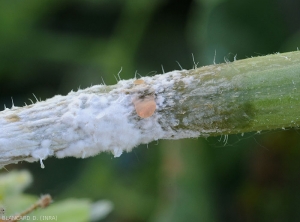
(51, 47)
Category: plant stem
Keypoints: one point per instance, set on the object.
(253, 94)
(235, 97)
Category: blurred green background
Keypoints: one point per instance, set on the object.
(51, 47)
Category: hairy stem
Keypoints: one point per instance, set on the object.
(235, 97)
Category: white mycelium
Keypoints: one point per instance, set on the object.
(90, 121)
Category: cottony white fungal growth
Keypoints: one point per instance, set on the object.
(87, 122)
(247, 95)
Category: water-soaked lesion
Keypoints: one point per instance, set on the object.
(211, 111)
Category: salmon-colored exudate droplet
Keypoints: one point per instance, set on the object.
(138, 82)
(145, 107)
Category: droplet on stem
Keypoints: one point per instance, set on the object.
(145, 107)
(139, 82)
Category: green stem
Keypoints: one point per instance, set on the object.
(253, 94)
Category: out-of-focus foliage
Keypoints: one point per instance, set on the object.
(14, 201)
(51, 47)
